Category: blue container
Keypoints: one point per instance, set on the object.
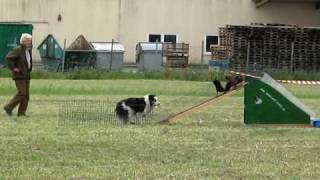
(219, 64)
(316, 123)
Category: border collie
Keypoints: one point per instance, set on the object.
(130, 108)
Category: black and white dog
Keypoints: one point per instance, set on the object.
(130, 108)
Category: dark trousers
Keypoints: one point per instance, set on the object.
(21, 98)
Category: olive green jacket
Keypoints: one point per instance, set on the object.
(16, 58)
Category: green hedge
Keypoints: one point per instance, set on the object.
(182, 74)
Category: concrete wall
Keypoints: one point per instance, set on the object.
(192, 20)
(130, 21)
(97, 20)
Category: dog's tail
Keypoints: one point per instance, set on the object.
(218, 86)
(122, 114)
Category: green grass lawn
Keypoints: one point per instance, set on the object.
(222, 147)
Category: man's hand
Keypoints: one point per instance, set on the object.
(16, 70)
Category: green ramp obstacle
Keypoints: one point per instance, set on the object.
(268, 102)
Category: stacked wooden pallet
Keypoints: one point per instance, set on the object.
(271, 46)
(255, 40)
(226, 43)
(218, 52)
(301, 49)
(314, 49)
(286, 39)
(177, 54)
(240, 43)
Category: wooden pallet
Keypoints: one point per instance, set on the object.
(177, 54)
(177, 61)
(272, 42)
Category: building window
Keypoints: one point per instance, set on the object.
(170, 38)
(154, 37)
(163, 38)
(211, 40)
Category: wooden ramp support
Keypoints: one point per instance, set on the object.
(203, 104)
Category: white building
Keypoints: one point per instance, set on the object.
(132, 21)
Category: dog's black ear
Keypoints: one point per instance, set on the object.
(152, 98)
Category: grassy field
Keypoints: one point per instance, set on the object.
(221, 147)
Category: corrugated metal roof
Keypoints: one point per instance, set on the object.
(260, 3)
(15, 23)
(151, 46)
(106, 46)
(295, 1)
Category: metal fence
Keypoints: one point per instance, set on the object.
(89, 112)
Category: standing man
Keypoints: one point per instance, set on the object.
(20, 63)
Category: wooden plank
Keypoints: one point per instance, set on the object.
(203, 104)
